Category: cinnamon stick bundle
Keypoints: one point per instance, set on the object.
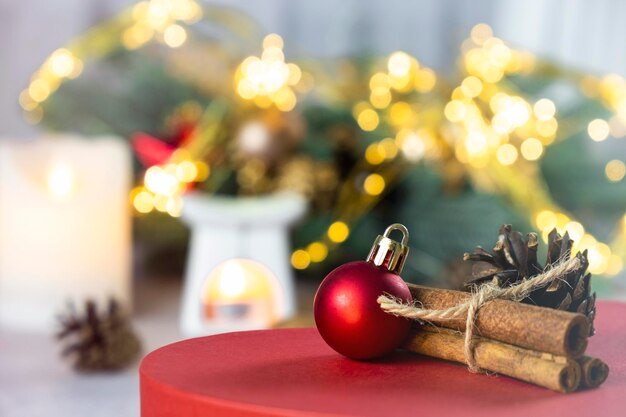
(594, 371)
(554, 372)
(513, 323)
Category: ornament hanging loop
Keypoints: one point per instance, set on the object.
(390, 253)
(402, 228)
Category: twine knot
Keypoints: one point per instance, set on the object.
(469, 308)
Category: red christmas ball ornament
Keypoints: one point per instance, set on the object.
(347, 314)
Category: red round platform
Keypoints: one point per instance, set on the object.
(292, 372)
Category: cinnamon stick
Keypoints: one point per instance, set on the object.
(556, 373)
(527, 326)
(594, 371)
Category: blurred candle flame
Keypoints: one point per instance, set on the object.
(232, 281)
(61, 180)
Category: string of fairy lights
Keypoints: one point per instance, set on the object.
(482, 124)
(495, 133)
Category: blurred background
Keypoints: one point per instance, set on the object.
(174, 168)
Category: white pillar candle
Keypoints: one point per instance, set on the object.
(64, 226)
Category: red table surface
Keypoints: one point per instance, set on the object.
(292, 372)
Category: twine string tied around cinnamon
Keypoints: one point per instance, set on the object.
(480, 297)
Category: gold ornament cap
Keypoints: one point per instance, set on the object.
(390, 253)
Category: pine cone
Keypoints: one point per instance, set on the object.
(98, 342)
(515, 258)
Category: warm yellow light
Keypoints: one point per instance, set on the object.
(562, 220)
(174, 206)
(143, 202)
(140, 10)
(180, 155)
(480, 33)
(254, 137)
(492, 73)
(545, 220)
(174, 36)
(61, 63)
(515, 110)
(425, 80)
(615, 170)
(317, 251)
(615, 265)
(160, 8)
(300, 259)
(598, 255)
(368, 120)
(413, 147)
(285, 99)
(544, 109)
(160, 182)
(501, 123)
(238, 280)
(455, 111)
(399, 64)
(506, 154)
(387, 147)
(39, 90)
(232, 280)
(273, 40)
(186, 10)
(475, 143)
(203, 171)
(379, 79)
(597, 262)
(576, 230)
(476, 61)
(373, 154)
(496, 102)
(587, 241)
(400, 113)
(78, 69)
(171, 169)
(245, 89)
(61, 180)
(268, 79)
(160, 202)
(380, 97)
(295, 74)
(499, 53)
(547, 128)
(471, 86)
(137, 35)
(598, 130)
(359, 107)
(186, 171)
(338, 232)
(531, 148)
(374, 184)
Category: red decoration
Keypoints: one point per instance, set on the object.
(347, 314)
(150, 150)
(292, 372)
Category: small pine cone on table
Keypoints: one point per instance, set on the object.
(98, 341)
